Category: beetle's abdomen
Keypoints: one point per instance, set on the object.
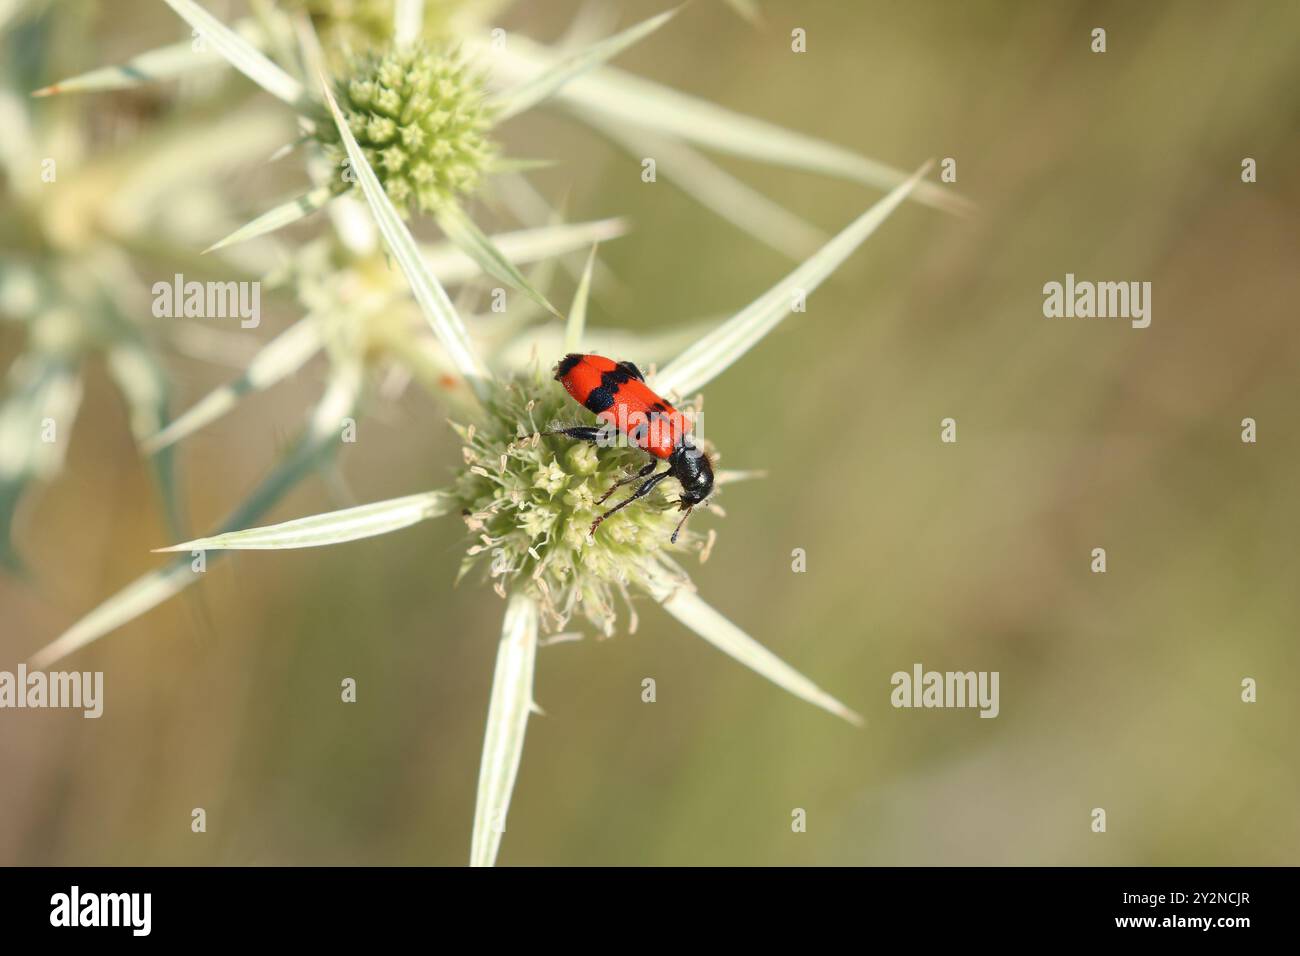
(614, 392)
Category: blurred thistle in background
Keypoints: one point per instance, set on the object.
(970, 557)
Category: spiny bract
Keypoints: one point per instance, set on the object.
(529, 500)
(420, 118)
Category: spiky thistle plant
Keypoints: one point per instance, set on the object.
(645, 118)
(418, 110)
(78, 218)
(369, 331)
(528, 498)
(523, 517)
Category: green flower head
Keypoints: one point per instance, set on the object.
(529, 499)
(363, 24)
(421, 120)
(368, 19)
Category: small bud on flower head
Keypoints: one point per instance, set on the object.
(421, 120)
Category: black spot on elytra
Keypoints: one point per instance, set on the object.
(566, 364)
(600, 399)
(632, 370)
(613, 379)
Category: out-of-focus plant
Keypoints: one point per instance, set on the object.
(528, 499)
(348, 26)
(418, 108)
(78, 218)
(644, 117)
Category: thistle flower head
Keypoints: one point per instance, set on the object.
(421, 119)
(360, 24)
(529, 499)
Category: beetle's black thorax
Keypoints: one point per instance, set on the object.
(693, 470)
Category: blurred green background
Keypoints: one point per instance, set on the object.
(1118, 690)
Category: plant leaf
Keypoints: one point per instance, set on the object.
(9, 12)
(38, 387)
(408, 19)
(461, 230)
(730, 476)
(748, 10)
(577, 322)
(681, 601)
(716, 189)
(168, 169)
(153, 66)
(332, 527)
(317, 443)
(522, 246)
(141, 379)
(625, 98)
(519, 354)
(243, 56)
(713, 354)
(547, 82)
(507, 165)
(428, 291)
(281, 357)
(503, 741)
(282, 215)
(142, 595)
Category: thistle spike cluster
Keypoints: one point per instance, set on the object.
(421, 119)
(528, 500)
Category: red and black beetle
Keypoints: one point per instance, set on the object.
(617, 393)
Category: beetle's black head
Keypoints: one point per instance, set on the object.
(692, 469)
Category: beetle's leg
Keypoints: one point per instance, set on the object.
(678, 529)
(623, 481)
(580, 432)
(647, 486)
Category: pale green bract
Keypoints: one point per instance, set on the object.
(350, 524)
(503, 742)
(577, 321)
(548, 82)
(242, 55)
(714, 353)
(426, 288)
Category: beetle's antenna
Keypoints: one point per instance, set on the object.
(673, 539)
